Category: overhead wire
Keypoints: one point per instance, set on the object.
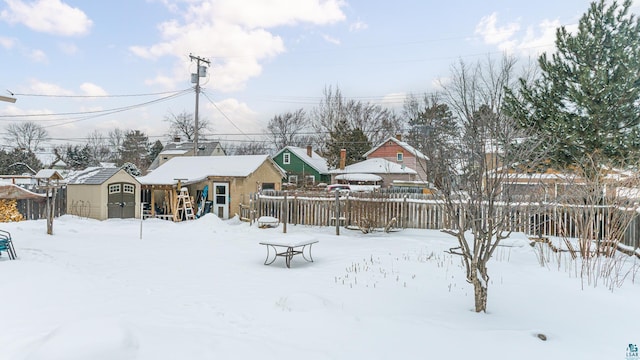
(224, 115)
(102, 112)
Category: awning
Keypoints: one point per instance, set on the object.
(11, 191)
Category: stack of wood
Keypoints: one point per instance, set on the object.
(9, 211)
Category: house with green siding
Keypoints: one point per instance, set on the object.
(304, 167)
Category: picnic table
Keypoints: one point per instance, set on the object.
(268, 221)
(288, 249)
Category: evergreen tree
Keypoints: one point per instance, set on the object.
(432, 130)
(18, 162)
(79, 157)
(135, 149)
(587, 98)
(353, 140)
(131, 169)
(155, 150)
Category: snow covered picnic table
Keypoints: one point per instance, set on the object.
(288, 249)
(268, 221)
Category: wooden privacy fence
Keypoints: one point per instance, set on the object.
(416, 211)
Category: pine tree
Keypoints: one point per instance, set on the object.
(354, 141)
(587, 99)
(135, 149)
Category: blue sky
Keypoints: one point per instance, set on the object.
(267, 56)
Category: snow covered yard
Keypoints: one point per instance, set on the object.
(199, 290)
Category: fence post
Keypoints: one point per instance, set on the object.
(285, 212)
(337, 215)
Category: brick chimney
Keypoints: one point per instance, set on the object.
(309, 151)
(399, 137)
(343, 158)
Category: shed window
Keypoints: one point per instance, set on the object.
(286, 158)
(128, 188)
(399, 157)
(115, 188)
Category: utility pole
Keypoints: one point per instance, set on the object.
(195, 78)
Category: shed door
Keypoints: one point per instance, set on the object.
(122, 200)
(221, 200)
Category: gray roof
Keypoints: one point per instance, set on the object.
(205, 148)
(93, 176)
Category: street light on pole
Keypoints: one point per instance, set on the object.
(7, 99)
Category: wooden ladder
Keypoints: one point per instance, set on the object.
(185, 206)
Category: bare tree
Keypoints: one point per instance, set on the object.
(184, 124)
(98, 146)
(116, 139)
(375, 121)
(26, 135)
(248, 148)
(477, 171)
(288, 129)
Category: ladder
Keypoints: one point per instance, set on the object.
(185, 206)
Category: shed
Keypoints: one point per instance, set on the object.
(103, 193)
(230, 180)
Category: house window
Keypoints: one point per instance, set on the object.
(293, 179)
(311, 179)
(399, 157)
(286, 158)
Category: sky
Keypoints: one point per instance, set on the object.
(81, 66)
(155, 290)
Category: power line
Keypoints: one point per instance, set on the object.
(223, 114)
(100, 112)
(99, 96)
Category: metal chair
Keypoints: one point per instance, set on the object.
(7, 245)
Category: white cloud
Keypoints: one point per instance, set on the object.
(48, 16)
(330, 39)
(37, 55)
(6, 42)
(92, 89)
(534, 41)
(492, 34)
(38, 87)
(358, 26)
(234, 34)
(270, 13)
(68, 48)
(229, 115)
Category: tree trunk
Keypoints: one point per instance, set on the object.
(480, 280)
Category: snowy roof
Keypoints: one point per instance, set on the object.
(48, 174)
(375, 166)
(192, 169)
(315, 161)
(93, 176)
(174, 152)
(358, 177)
(403, 145)
(11, 191)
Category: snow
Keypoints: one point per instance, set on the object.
(358, 177)
(374, 166)
(153, 290)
